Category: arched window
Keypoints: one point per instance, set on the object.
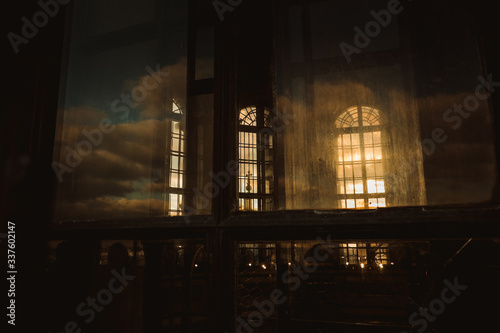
(177, 171)
(360, 160)
(255, 154)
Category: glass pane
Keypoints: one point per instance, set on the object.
(372, 186)
(394, 100)
(350, 203)
(349, 187)
(348, 170)
(370, 170)
(360, 203)
(346, 140)
(368, 137)
(122, 143)
(347, 155)
(359, 187)
(355, 140)
(332, 285)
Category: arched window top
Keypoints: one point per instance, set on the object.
(267, 118)
(176, 108)
(360, 161)
(358, 116)
(248, 116)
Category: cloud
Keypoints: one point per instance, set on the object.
(107, 208)
(127, 164)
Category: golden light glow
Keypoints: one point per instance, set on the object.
(360, 169)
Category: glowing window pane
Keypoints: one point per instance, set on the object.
(356, 154)
(355, 140)
(348, 118)
(248, 116)
(347, 155)
(348, 170)
(370, 170)
(359, 187)
(174, 180)
(372, 187)
(360, 178)
(370, 116)
(174, 204)
(369, 154)
(175, 144)
(349, 187)
(346, 140)
(175, 162)
(368, 138)
(380, 186)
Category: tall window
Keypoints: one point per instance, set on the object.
(255, 151)
(177, 159)
(360, 163)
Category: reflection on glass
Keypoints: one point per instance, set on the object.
(332, 282)
(255, 155)
(177, 162)
(360, 174)
(122, 139)
(409, 88)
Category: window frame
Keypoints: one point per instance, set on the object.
(361, 130)
(260, 127)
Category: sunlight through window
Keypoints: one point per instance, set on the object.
(360, 169)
